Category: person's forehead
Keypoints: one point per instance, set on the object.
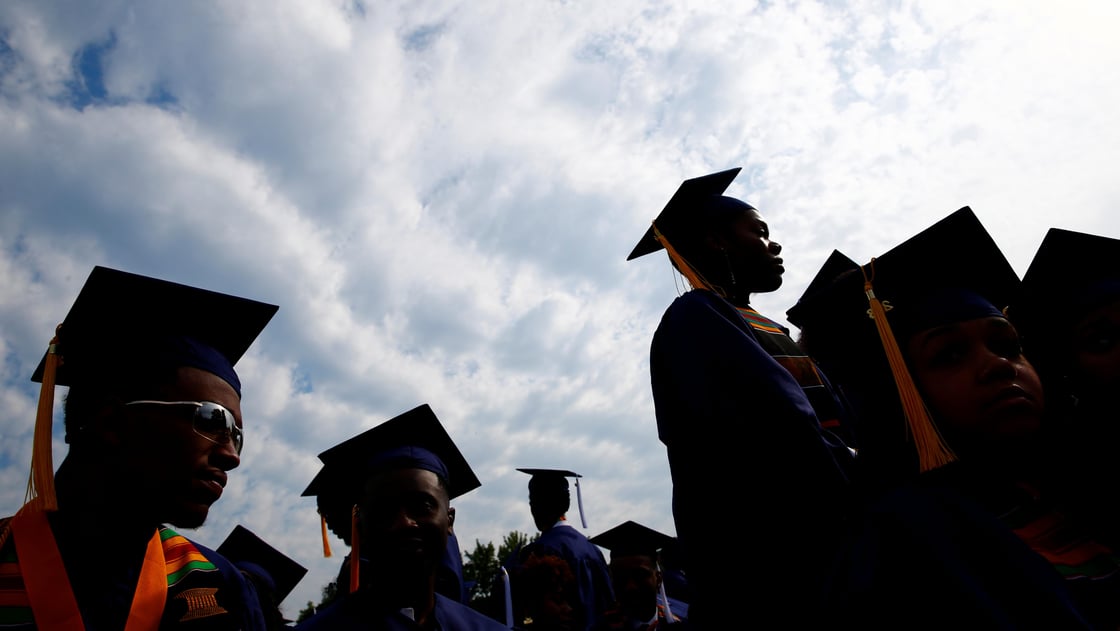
(404, 480)
(632, 560)
(190, 383)
(1104, 315)
(974, 327)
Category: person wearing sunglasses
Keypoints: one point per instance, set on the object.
(154, 425)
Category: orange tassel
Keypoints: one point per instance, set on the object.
(695, 280)
(40, 494)
(355, 553)
(326, 543)
(931, 447)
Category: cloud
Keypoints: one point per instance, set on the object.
(440, 196)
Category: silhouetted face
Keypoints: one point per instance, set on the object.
(1096, 350)
(177, 471)
(980, 388)
(635, 579)
(405, 522)
(752, 255)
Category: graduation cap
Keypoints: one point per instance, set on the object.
(124, 324)
(268, 566)
(684, 212)
(631, 538)
(950, 272)
(1074, 270)
(124, 327)
(836, 264)
(414, 439)
(554, 483)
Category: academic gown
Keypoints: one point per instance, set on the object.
(354, 612)
(588, 565)
(925, 556)
(759, 485)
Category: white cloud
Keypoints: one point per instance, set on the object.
(441, 196)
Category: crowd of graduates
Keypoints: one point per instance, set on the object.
(934, 448)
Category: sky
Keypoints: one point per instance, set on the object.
(441, 195)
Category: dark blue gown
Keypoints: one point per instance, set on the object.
(756, 478)
(588, 565)
(356, 612)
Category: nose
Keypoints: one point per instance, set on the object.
(998, 367)
(775, 247)
(224, 456)
(402, 518)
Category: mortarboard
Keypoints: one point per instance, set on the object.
(630, 538)
(553, 482)
(1074, 270)
(126, 323)
(680, 215)
(253, 555)
(950, 272)
(414, 439)
(1071, 274)
(836, 264)
(121, 327)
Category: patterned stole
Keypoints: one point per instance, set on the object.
(777, 342)
(1051, 535)
(37, 594)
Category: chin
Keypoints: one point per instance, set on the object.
(189, 517)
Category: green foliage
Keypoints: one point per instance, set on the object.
(482, 570)
(330, 593)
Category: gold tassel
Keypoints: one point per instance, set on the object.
(326, 543)
(40, 494)
(695, 280)
(931, 447)
(355, 553)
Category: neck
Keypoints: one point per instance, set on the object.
(85, 504)
(393, 592)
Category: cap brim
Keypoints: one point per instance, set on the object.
(680, 206)
(632, 538)
(117, 313)
(244, 546)
(418, 427)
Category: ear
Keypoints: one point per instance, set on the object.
(715, 240)
(105, 426)
(450, 519)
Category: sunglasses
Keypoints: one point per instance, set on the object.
(210, 421)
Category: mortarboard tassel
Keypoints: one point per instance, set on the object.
(579, 503)
(40, 494)
(326, 543)
(355, 552)
(662, 594)
(684, 267)
(508, 597)
(932, 450)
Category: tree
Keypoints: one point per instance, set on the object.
(482, 571)
(330, 592)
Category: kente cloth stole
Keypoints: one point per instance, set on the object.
(1051, 535)
(782, 348)
(37, 592)
(775, 340)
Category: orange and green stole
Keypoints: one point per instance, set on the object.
(776, 341)
(37, 593)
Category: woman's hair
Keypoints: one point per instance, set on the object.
(538, 576)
